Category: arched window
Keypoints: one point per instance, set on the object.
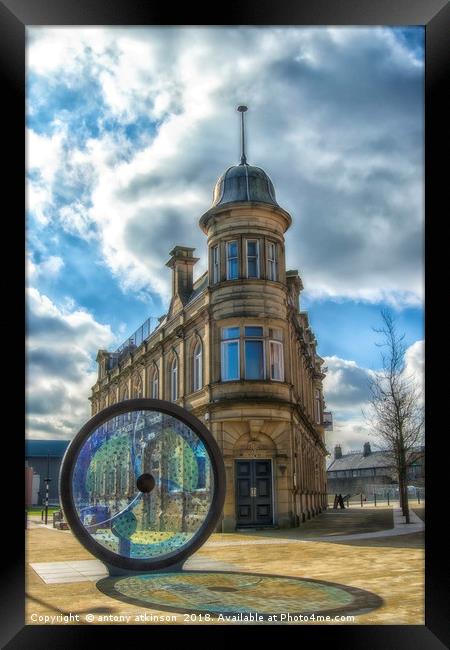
(198, 366)
(124, 394)
(154, 383)
(317, 406)
(174, 379)
(137, 386)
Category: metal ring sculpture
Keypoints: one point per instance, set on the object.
(142, 484)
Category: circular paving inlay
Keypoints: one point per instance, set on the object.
(231, 594)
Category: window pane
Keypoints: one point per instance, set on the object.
(252, 266)
(254, 360)
(232, 269)
(253, 331)
(198, 367)
(276, 361)
(196, 378)
(232, 260)
(216, 264)
(232, 249)
(230, 333)
(252, 248)
(174, 380)
(230, 360)
(252, 259)
(271, 256)
(155, 385)
(317, 400)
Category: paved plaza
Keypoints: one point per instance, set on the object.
(365, 563)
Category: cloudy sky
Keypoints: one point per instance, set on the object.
(127, 132)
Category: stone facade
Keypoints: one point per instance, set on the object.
(277, 416)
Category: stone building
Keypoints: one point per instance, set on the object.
(237, 351)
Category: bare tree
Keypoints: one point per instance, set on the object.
(396, 412)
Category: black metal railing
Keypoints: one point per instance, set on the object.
(134, 341)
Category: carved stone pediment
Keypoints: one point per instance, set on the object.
(254, 442)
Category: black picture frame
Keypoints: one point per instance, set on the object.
(219, 485)
(15, 15)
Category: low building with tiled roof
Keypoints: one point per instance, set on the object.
(362, 472)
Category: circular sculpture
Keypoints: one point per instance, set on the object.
(142, 484)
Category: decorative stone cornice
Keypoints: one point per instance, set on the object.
(213, 215)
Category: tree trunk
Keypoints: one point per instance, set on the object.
(403, 492)
(404, 474)
(403, 497)
(406, 504)
(400, 491)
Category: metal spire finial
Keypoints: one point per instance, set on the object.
(242, 110)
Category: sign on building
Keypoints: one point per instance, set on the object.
(328, 420)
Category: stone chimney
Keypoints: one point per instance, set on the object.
(337, 452)
(182, 264)
(367, 450)
(103, 362)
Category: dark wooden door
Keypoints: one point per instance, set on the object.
(254, 492)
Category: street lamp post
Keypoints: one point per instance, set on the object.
(47, 482)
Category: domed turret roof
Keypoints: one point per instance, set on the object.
(244, 183)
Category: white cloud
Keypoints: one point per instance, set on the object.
(346, 392)
(61, 348)
(43, 159)
(50, 267)
(335, 118)
(50, 49)
(415, 364)
(44, 153)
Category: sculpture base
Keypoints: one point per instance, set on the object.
(118, 571)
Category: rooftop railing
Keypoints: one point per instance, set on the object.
(134, 341)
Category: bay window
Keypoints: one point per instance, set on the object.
(248, 348)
